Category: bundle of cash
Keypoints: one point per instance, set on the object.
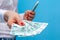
(29, 29)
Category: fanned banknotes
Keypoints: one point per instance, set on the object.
(29, 29)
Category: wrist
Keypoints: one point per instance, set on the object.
(6, 16)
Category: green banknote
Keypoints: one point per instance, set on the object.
(30, 28)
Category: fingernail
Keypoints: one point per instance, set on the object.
(22, 24)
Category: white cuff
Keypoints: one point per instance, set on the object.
(2, 15)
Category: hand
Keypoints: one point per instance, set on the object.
(29, 15)
(12, 17)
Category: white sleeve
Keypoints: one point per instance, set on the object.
(2, 15)
(21, 15)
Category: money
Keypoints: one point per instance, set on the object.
(29, 29)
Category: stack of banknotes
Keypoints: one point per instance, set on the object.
(29, 29)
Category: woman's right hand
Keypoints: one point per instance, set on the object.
(13, 17)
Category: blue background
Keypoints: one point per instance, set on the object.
(47, 11)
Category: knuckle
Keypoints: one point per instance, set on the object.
(31, 15)
(30, 18)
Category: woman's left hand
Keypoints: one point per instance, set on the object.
(29, 15)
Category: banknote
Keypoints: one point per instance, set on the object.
(30, 28)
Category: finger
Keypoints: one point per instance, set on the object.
(22, 23)
(32, 13)
(29, 18)
(10, 22)
(25, 17)
(32, 16)
(18, 20)
(27, 14)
